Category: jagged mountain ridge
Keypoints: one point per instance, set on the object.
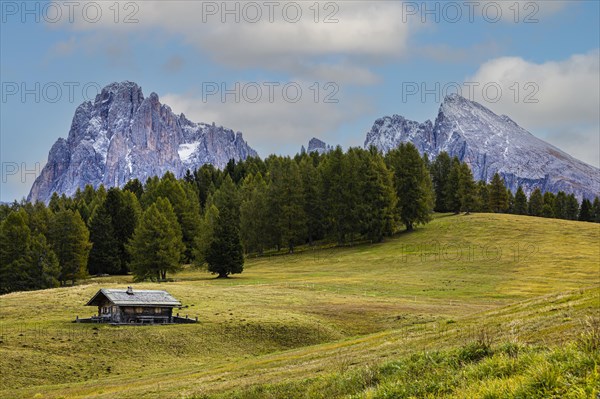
(317, 145)
(489, 143)
(123, 135)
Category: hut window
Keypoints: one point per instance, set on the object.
(139, 310)
(157, 310)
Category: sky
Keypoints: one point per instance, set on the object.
(283, 72)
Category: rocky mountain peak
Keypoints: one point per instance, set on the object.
(317, 145)
(123, 135)
(489, 143)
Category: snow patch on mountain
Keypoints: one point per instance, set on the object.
(187, 150)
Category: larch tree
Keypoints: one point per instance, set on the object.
(548, 207)
(413, 185)
(440, 171)
(536, 203)
(69, 239)
(104, 254)
(15, 243)
(206, 233)
(467, 190)
(156, 247)
(585, 212)
(378, 199)
(498, 196)
(571, 207)
(560, 205)
(225, 255)
(253, 213)
(596, 210)
(520, 207)
(451, 190)
(292, 219)
(483, 196)
(313, 201)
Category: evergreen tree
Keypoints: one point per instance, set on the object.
(337, 202)
(353, 182)
(55, 204)
(205, 236)
(571, 207)
(44, 267)
(440, 171)
(560, 205)
(38, 216)
(204, 178)
(26, 260)
(520, 207)
(427, 161)
(483, 197)
(14, 245)
(134, 186)
(98, 199)
(253, 213)
(585, 212)
(451, 191)
(510, 199)
(596, 210)
(184, 200)
(548, 208)
(378, 199)
(104, 255)
(467, 190)
(124, 211)
(69, 239)
(312, 199)
(497, 195)
(156, 247)
(536, 203)
(286, 217)
(292, 219)
(89, 194)
(413, 185)
(225, 254)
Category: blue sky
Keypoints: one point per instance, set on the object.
(367, 56)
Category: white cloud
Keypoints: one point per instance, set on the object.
(273, 127)
(567, 94)
(359, 35)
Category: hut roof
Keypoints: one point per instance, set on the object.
(131, 297)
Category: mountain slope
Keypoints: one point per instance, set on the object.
(123, 135)
(490, 143)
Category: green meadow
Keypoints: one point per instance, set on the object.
(481, 306)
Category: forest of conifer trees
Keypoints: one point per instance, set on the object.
(212, 218)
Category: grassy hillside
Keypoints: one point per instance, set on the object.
(320, 317)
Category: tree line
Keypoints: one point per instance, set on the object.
(212, 218)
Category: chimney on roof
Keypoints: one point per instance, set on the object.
(129, 290)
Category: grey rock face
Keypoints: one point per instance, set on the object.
(122, 136)
(490, 143)
(316, 145)
(388, 132)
